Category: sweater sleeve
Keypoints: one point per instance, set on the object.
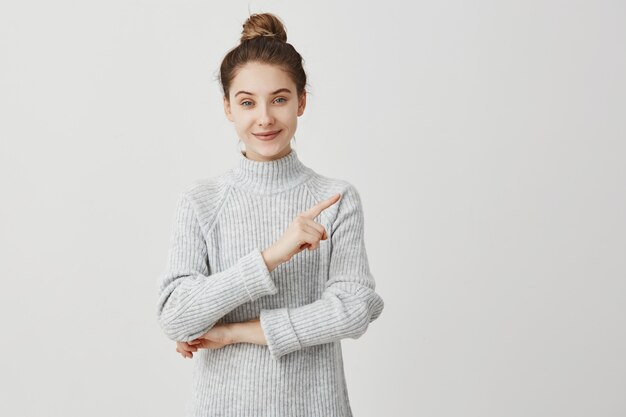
(190, 299)
(348, 303)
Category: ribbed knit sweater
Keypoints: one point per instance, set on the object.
(216, 273)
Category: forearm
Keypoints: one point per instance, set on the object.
(345, 311)
(271, 258)
(248, 332)
(191, 301)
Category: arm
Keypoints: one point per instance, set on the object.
(349, 302)
(191, 300)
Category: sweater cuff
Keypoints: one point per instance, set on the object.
(255, 275)
(279, 333)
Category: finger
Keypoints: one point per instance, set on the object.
(196, 346)
(310, 238)
(304, 246)
(184, 351)
(314, 211)
(318, 227)
(189, 347)
(315, 232)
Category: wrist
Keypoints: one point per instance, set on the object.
(271, 260)
(235, 333)
(256, 332)
(248, 332)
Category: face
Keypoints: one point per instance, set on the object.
(263, 99)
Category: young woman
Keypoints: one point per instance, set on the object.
(267, 268)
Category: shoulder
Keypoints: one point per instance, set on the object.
(323, 187)
(205, 196)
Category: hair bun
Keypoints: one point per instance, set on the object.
(263, 24)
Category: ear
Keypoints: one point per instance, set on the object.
(302, 103)
(227, 109)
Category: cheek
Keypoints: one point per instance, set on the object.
(288, 114)
(244, 119)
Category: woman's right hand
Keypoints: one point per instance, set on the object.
(302, 233)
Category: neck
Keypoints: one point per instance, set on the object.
(266, 177)
(259, 157)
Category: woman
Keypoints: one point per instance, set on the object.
(267, 268)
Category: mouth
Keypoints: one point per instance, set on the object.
(267, 135)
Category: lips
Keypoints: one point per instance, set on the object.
(267, 135)
(273, 132)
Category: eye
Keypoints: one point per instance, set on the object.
(243, 103)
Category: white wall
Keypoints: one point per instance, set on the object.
(487, 140)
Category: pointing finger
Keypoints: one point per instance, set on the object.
(314, 211)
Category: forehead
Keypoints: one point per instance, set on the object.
(261, 79)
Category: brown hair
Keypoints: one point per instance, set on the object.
(263, 40)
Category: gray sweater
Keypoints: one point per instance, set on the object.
(216, 274)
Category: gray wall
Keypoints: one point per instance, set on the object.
(487, 140)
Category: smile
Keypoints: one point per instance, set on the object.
(267, 135)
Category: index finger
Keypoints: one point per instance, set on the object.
(314, 211)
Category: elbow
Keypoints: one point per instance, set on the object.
(166, 317)
(180, 326)
(366, 312)
(171, 315)
(170, 326)
(356, 304)
(180, 331)
(172, 331)
(375, 306)
(172, 322)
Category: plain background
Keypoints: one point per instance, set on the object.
(486, 138)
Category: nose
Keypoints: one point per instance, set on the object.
(265, 117)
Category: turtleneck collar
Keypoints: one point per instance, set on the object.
(264, 177)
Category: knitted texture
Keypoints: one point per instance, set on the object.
(216, 274)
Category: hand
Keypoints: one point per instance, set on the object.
(302, 233)
(217, 337)
(244, 332)
(227, 334)
(185, 349)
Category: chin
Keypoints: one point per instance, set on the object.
(270, 150)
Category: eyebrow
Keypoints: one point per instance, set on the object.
(280, 90)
